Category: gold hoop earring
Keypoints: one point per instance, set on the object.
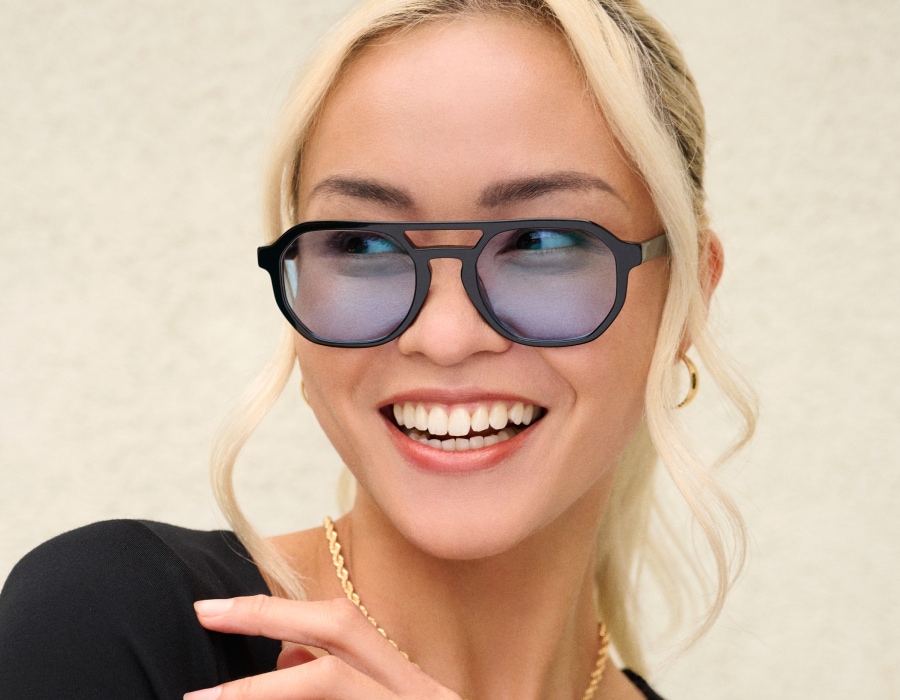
(695, 381)
(303, 392)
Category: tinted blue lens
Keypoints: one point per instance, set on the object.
(548, 284)
(348, 286)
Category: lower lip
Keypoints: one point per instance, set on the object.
(431, 459)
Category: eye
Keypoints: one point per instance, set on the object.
(546, 239)
(543, 251)
(361, 243)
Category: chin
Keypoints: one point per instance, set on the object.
(461, 532)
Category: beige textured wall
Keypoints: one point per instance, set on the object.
(132, 313)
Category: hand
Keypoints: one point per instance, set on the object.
(360, 664)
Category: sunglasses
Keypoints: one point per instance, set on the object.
(539, 282)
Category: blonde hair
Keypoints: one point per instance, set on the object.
(648, 97)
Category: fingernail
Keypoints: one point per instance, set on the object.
(208, 694)
(210, 608)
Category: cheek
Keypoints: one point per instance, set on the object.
(333, 378)
(608, 377)
(607, 387)
(625, 350)
(633, 335)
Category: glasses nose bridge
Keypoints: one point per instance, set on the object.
(467, 256)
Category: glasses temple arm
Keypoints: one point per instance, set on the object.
(654, 248)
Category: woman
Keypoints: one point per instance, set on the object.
(499, 376)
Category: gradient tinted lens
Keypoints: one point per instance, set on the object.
(547, 283)
(348, 286)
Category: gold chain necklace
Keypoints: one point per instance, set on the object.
(338, 560)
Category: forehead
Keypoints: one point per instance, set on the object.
(453, 105)
(468, 48)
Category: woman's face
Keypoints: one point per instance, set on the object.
(482, 118)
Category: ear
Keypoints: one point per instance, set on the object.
(712, 263)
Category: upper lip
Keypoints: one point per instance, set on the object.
(455, 397)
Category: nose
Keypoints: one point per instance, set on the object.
(449, 328)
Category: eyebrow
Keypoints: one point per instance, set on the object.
(365, 189)
(499, 194)
(526, 188)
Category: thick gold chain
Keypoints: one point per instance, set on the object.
(338, 560)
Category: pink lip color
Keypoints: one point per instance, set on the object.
(430, 459)
(455, 397)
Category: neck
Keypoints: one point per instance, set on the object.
(520, 624)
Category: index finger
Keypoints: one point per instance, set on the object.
(334, 625)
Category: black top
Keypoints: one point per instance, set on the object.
(106, 611)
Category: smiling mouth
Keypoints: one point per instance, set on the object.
(461, 428)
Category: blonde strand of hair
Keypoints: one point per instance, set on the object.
(236, 430)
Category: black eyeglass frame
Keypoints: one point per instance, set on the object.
(627, 256)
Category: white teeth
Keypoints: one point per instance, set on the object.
(460, 422)
(421, 417)
(480, 419)
(437, 421)
(499, 416)
(426, 426)
(528, 414)
(463, 444)
(409, 415)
